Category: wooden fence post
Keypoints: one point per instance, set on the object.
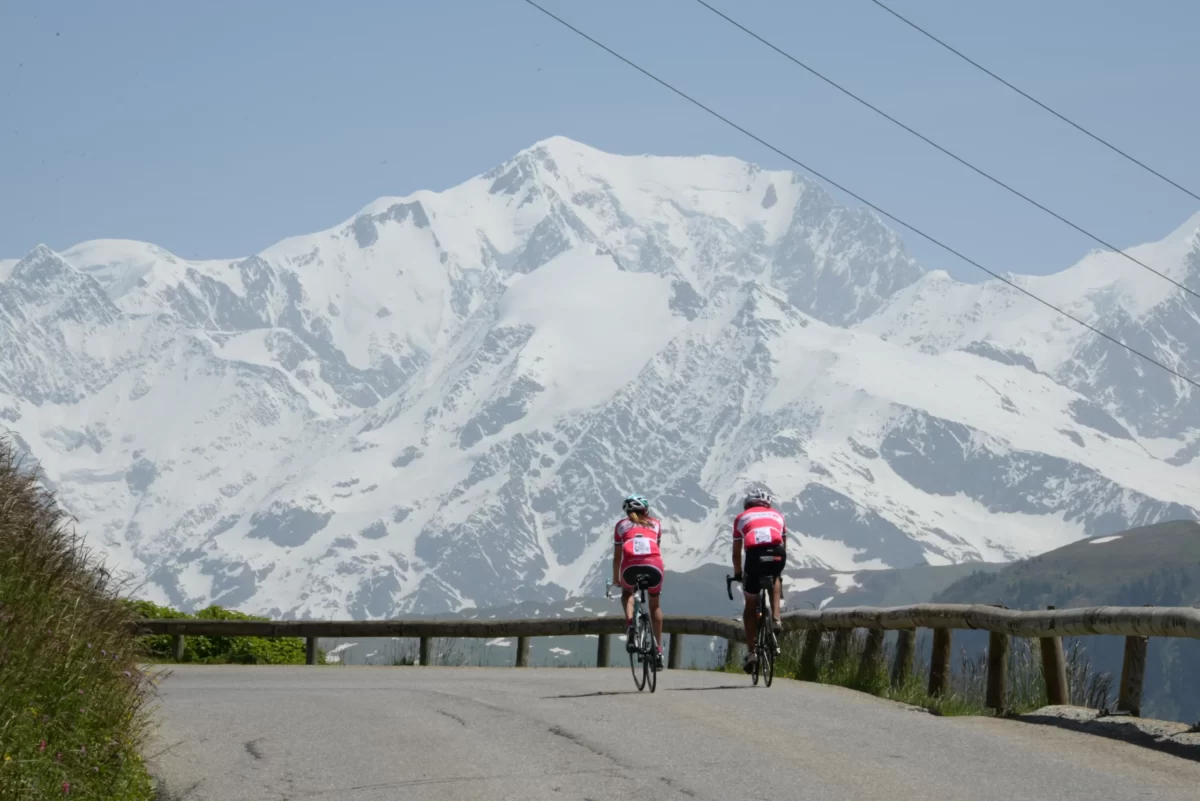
(177, 647)
(522, 652)
(423, 658)
(869, 663)
(808, 656)
(310, 651)
(730, 652)
(841, 645)
(1133, 673)
(939, 662)
(1054, 670)
(902, 667)
(602, 646)
(674, 651)
(997, 671)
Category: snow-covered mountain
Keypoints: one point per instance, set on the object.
(439, 403)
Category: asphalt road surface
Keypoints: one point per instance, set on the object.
(459, 734)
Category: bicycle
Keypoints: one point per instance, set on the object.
(766, 644)
(646, 650)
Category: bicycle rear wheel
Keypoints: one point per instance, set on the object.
(650, 659)
(766, 651)
(636, 659)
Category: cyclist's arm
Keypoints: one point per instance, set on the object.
(737, 557)
(616, 564)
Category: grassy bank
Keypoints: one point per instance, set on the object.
(73, 702)
(967, 690)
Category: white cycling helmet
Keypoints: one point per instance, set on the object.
(758, 498)
(635, 503)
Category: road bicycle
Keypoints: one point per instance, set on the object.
(643, 659)
(766, 644)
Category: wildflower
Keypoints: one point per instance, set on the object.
(66, 788)
(42, 747)
(83, 749)
(7, 758)
(81, 691)
(58, 757)
(103, 652)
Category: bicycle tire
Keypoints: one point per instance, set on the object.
(651, 658)
(766, 644)
(766, 656)
(639, 676)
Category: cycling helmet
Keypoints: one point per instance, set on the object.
(757, 498)
(635, 503)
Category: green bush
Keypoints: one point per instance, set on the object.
(73, 713)
(219, 650)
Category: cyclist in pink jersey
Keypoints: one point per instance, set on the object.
(636, 551)
(761, 532)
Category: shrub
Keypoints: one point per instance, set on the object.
(219, 650)
(73, 713)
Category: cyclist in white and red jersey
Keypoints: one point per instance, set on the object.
(636, 552)
(760, 531)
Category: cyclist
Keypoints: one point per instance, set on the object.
(636, 552)
(760, 530)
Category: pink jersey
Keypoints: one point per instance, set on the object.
(625, 524)
(639, 543)
(758, 527)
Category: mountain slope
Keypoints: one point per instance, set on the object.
(438, 403)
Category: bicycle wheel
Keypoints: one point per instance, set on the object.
(757, 665)
(635, 656)
(650, 658)
(766, 652)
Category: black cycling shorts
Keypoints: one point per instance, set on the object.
(765, 561)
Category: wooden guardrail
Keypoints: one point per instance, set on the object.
(1136, 624)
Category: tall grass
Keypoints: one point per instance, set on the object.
(967, 690)
(73, 711)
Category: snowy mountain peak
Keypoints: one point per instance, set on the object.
(438, 402)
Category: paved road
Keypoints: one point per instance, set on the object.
(459, 734)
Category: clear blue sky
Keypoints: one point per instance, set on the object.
(215, 129)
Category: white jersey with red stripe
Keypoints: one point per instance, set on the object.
(759, 526)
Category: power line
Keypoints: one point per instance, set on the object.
(934, 144)
(1034, 100)
(859, 197)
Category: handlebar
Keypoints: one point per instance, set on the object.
(729, 584)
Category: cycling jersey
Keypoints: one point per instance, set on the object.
(639, 552)
(759, 527)
(625, 524)
(639, 543)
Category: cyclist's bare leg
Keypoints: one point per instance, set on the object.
(749, 620)
(656, 620)
(627, 605)
(776, 593)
